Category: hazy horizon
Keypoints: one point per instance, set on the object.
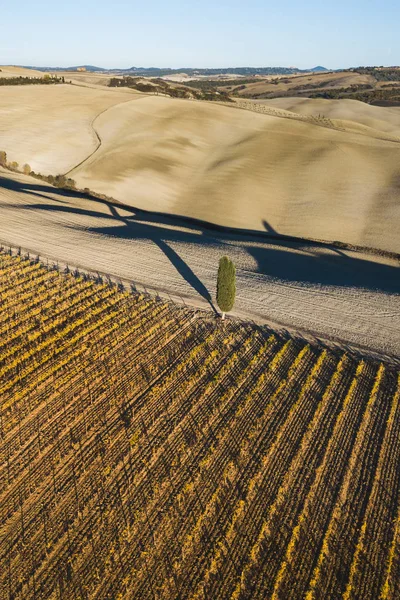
(204, 35)
(67, 65)
(173, 68)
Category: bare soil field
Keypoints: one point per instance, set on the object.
(379, 118)
(9, 71)
(375, 86)
(283, 85)
(50, 127)
(95, 79)
(319, 179)
(149, 451)
(347, 297)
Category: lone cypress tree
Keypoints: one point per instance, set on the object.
(226, 285)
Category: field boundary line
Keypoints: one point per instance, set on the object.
(96, 133)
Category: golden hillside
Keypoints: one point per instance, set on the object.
(334, 181)
(333, 177)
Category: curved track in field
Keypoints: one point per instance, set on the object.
(96, 133)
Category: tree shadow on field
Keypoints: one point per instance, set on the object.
(180, 265)
(39, 190)
(35, 189)
(291, 261)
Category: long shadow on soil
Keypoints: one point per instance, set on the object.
(292, 262)
(36, 189)
(180, 265)
(32, 189)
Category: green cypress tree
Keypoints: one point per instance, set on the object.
(226, 285)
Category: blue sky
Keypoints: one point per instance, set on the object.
(206, 33)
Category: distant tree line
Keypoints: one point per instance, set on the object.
(132, 82)
(160, 86)
(60, 181)
(46, 80)
(380, 73)
(387, 96)
(204, 84)
(328, 84)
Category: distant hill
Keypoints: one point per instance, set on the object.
(89, 68)
(191, 72)
(318, 69)
(212, 72)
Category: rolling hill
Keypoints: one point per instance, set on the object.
(322, 178)
(239, 169)
(11, 71)
(299, 83)
(51, 129)
(385, 119)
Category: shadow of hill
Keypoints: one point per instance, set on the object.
(291, 262)
(318, 268)
(233, 233)
(280, 262)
